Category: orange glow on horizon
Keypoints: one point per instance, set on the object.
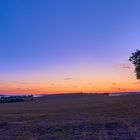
(44, 88)
(92, 80)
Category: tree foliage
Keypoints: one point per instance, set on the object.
(135, 59)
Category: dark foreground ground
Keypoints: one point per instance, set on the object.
(72, 117)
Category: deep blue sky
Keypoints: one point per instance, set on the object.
(65, 36)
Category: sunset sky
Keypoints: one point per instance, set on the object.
(60, 46)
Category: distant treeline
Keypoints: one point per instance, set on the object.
(10, 99)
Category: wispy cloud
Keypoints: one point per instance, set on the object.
(136, 83)
(119, 89)
(74, 86)
(90, 83)
(15, 82)
(67, 79)
(52, 84)
(24, 83)
(112, 83)
(125, 66)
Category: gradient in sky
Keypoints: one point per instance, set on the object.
(58, 46)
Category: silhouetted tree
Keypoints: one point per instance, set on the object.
(135, 59)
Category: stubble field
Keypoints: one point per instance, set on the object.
(72, 117)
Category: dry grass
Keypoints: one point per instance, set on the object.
(72, 117)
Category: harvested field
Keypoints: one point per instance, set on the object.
(72, 117)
